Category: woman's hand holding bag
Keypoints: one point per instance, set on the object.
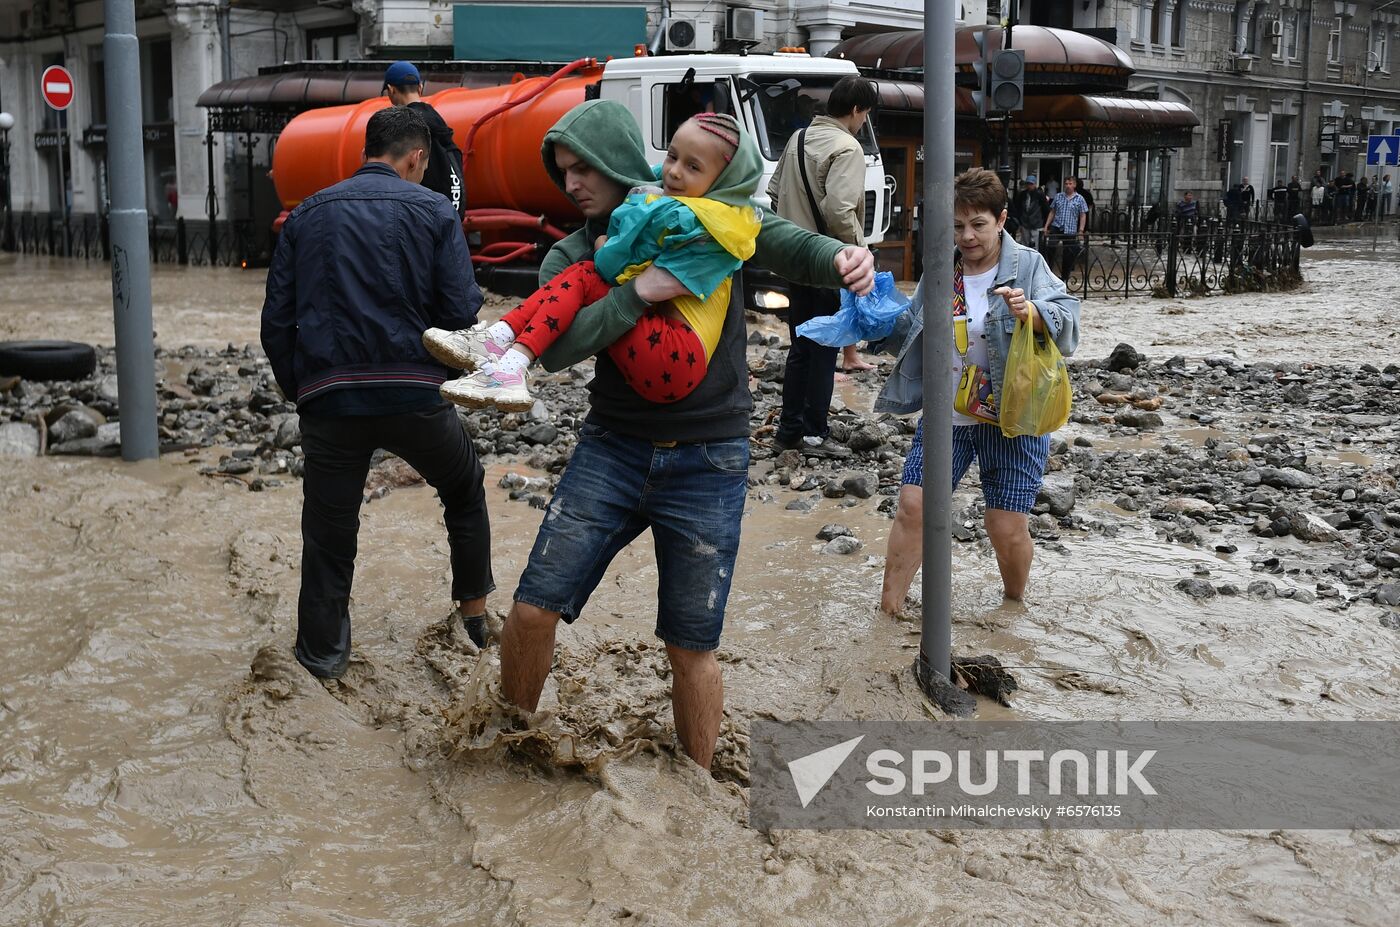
(1035, 393)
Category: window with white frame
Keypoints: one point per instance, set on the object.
(1379, 58)
(1290, 35)
(1334, 42)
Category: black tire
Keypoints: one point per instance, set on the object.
(1305, 234)
(47, 360)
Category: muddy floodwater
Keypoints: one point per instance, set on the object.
(164, 760)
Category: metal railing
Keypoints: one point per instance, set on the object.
(85, 236)
(1133, 257)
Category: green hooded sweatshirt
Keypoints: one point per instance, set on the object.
(604, 134)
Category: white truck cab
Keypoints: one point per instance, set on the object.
(772, 95)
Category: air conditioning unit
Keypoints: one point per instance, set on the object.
(692, 35)
(1276, 28)
(1240, 64)
(746, 25)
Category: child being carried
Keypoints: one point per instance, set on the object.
(699, 240)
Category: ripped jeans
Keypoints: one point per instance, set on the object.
(691, 496)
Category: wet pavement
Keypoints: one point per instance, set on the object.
(164, 761)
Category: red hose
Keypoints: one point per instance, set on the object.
(482, 219)
(520, 251)
(536, 91)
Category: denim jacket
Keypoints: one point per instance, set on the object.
(1019, 267)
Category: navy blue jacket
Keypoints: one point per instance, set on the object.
(362, 268)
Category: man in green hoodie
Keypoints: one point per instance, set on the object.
(679, 468)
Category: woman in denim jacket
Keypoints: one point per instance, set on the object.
(1001, 282)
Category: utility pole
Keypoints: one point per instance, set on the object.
(131, 259)
(933, 668)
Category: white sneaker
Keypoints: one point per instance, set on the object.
(466, 349)
(506, 391)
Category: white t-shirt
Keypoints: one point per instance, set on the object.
(975, 289)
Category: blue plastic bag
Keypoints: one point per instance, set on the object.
(860, 318)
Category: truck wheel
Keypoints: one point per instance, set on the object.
(47, 360)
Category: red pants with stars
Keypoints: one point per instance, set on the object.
(662, 358)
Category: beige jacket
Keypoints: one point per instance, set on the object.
(836, 168)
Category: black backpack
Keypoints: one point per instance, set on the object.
(444, 173)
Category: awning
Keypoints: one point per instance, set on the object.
(294, 88)
(1058, 57)
(1066, 119)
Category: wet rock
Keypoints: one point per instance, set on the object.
(1123, 357)
(1287, 478)
(1126, 503)
(79, 423)
(828, 532)
(1196, 588)
(1309, 527)
(18, 440)
(789, 460)
(1262, 589)
(1297, 394)
(235, 466)
(1388, 560)
(859, 483)
(1185, 505)
(1057, 493)
(1137, 418)
(107, 388)
(833, 489)
(288, 431)
(866, 438)
(1389, 594)
(799, 505)
(539, 433)
(842, 545)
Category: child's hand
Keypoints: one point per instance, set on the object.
(599, 242)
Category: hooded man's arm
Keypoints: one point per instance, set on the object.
(596, 326)
(796, 254)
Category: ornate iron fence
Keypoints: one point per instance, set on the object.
(86, 236)
(1178, 259)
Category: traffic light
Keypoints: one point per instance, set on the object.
(981, 67)
(1007, 92)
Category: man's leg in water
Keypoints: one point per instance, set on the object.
(695, 503)
(697, 701)
(592, 516)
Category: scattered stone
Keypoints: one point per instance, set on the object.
(1057, 493)
(1196, 588)
(539, 433)
(1184, 505)
(19, 440)
(74, 425)
(288, 433)
(799, 505)
(107, 389)
(828, 532)
(1262, 589)
(860, 484)
(1136, 418)
(1123, 357)
(866, 438)
(1287, 478)
(1310, 527)
(842, 545)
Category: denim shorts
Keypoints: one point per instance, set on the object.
(614, 488)
(1012, 469)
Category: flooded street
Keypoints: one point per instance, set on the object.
(165, 761)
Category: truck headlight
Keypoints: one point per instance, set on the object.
(770, 300)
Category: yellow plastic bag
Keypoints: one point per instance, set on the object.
(1035, 391)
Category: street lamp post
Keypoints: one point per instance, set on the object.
(7, 122)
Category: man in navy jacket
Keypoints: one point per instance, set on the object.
(361, 270)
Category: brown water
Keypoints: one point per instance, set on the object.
(164, 761)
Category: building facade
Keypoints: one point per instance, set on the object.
(1282, 87)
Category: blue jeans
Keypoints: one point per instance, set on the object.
(615, 487)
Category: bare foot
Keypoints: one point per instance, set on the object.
(841, 377)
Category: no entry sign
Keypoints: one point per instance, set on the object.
(57, 87)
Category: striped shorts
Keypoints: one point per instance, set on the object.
(1012, 469)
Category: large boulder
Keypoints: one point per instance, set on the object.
(18, 439)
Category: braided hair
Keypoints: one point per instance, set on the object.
(723, 126)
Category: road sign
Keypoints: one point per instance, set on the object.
(57, 87)
(1382, 149)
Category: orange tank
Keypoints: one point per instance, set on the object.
(324, 146)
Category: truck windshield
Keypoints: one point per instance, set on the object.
(784, 104)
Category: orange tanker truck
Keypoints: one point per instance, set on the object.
(513, 204)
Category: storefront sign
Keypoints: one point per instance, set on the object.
(1349, 141)
(50, 139)
(156, 133)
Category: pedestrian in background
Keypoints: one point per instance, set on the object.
(1387, 191)
(1030, 208)
(1295, 196)
(1247, 198)
(1069, 216)
(361, 268)
(819, 185)
(445, 172)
